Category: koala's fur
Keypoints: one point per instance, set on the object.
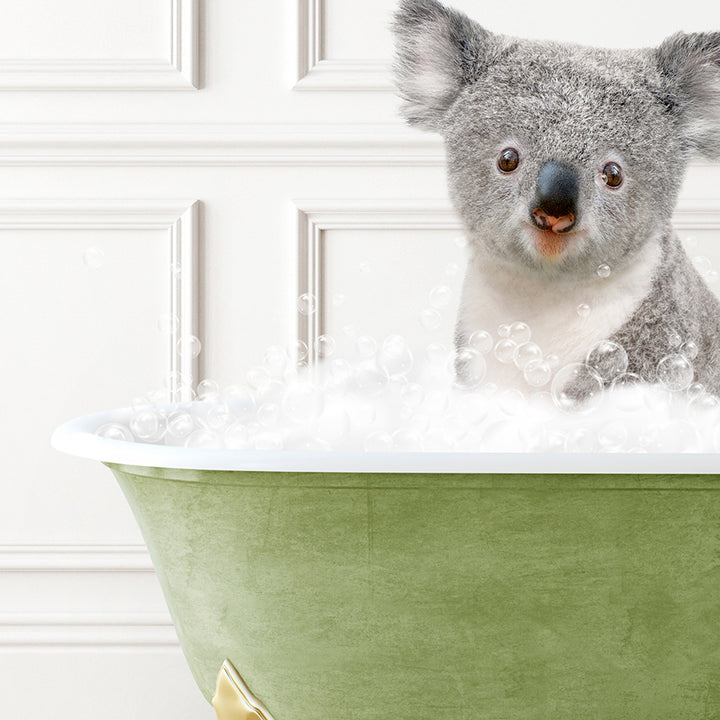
(648, 110)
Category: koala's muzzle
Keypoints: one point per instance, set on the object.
(556, 197)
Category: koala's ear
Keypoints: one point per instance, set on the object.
(691, 66)
(438, 52)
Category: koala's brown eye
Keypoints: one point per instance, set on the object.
(509, 160)
(612, 175)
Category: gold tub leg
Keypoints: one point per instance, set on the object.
(233, 699)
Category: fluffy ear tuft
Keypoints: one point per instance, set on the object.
(438, 52)
(691, 65)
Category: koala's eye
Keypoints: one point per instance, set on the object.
(612, 175)
(509, 160)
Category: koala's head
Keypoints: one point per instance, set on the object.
(560, 158)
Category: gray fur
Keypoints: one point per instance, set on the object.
(651, 109)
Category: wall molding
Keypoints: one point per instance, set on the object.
(315, 72)
(50, 558)
(179, 71)
(180, 222)
(316, 217)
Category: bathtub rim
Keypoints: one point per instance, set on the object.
(77, 437)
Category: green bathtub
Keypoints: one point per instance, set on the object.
(465, 594)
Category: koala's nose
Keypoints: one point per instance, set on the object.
(556, 196)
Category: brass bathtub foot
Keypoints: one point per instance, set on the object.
(233, 699)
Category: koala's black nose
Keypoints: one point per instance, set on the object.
(556, 197)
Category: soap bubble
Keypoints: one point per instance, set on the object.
(537, 373)
(461, 241)
(481, 340)
(604, 270)
(581, 440)
(452, 269)
(511, 402)
(440, 296)
(147, 424)
(430, 319)
(468, 366)
(307, 304)
(520, 333)
(576, 388)
(180, 425)
(608, 359)
(689, 349)
(378, 441)
(583, 310)
(325, 346)
(552, 360)
(114, 431)
(675, 372)
(695, 389)
(299, 351)
(366, 346)
(258, 378)
(94, 258)
(208, 390)
(395, 357)
(275, 360)
(338, 299)
(189, 346)
(340, 371)
(505, 350)
(703, 402)
(674, 338)
(436, 353)
(526, 353)
(503, 330)
(621, 391)
(702, 264)
(613, 435)
(303, 403)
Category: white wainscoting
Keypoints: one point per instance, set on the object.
(279, 167)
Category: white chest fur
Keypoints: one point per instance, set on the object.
(495, 294)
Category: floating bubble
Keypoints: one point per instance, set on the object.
(461, 241)
(674, 338)
(526, 353)
(505, 350)
(608, 359)
(114, 431)
(695, 389)
(469, 368)
(481, 340)
(307, 304)
(324, 346)
(520, 333)
(338, 299)
(189, 346)
(219, 417)
(430, 319)
(275, 360)
(537, 373)
(180, 425)
(604, 270)
(576, 388)
(583, 310)
(511, 402)
(703, 402)
(145, 424)
(675, 372)
(712, 277)
(689, 349)
(94, 258)
(258, 378)
(440, 296)
(349, 330)
(552, 360)
(208, 390)
(395, 357)
(503, 330)
(299, 350)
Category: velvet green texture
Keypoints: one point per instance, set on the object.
(425, 596)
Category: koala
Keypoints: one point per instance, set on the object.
(564, 164)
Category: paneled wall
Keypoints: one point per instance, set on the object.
(210, 160)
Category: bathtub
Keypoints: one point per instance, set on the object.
(418, 586)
